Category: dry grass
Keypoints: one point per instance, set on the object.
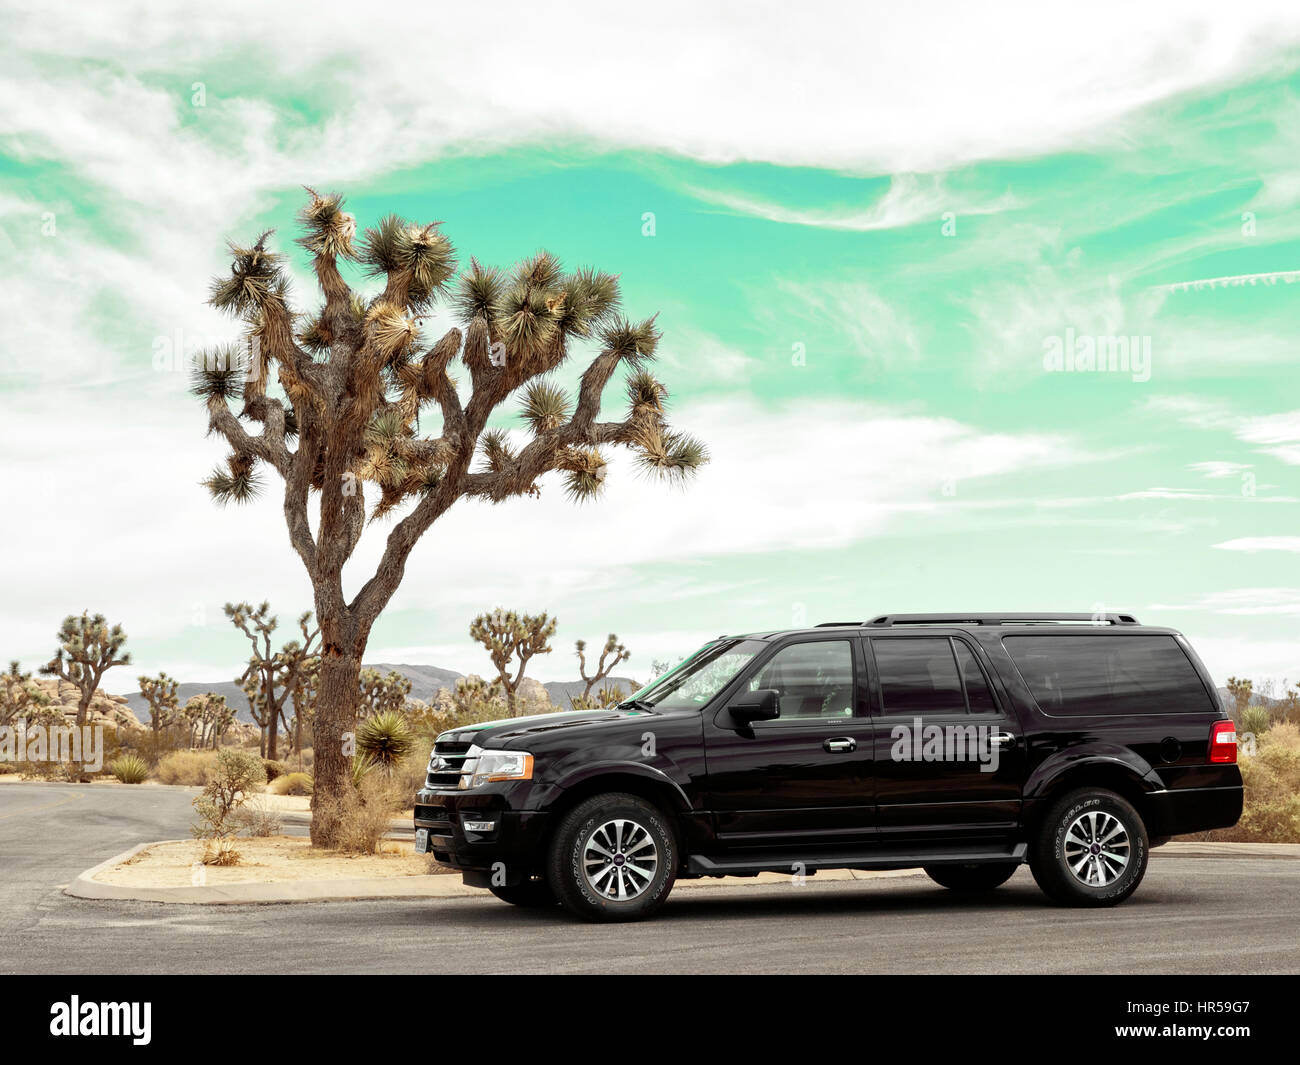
(193, 768)
(1272, 779)
(362, 815)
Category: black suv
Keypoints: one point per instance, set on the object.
(964, 745)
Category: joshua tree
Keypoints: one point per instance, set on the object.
(603, 668)
(207, 716)
(21, 698)
(382, 693)
(303, 697)
(164, 704)
(355, 376)
(270, 675)
(88, 648)
(509, 636)
(1241, 692)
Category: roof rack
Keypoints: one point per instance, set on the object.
(839, 624)
(1002, 619)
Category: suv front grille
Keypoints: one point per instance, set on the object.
(445, 764)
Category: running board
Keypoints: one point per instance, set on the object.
(863, 858)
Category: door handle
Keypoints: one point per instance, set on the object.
(840, 744)
(1002, 739)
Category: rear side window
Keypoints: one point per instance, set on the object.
(918, 675)
(1074, 676)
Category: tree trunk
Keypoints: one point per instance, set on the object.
(83, 705)
(336, 717)
(272, 735)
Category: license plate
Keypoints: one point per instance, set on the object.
(422, 841)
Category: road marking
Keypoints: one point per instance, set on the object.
(47, 806)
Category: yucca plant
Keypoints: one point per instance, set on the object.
(129, 769)
(354, 407)
(386, 738)
(1256, 720)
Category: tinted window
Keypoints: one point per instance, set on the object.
(918, 675)
(815, 679)
(978, 695)
(1073, 675)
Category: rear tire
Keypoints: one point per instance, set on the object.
(613, 858)
(971, 879)
(531, 894)
(1091, 849)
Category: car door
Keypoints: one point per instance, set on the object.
(949, 756)
(804, 777)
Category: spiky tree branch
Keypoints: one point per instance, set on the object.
(604, 668)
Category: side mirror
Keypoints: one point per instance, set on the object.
(761, 705)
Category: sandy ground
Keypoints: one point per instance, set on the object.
(270, 859)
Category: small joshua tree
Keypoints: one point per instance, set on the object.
(614, 651)
(207, 717)
(164, 704)
(509, 636)
(88, 648)
(271, 675)
(358, 382)
(382, 693)
(21, 699)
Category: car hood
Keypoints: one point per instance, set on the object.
(520, 729)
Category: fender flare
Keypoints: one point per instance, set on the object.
(1136, 768)
(637, 769)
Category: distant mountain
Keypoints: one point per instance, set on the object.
(425, 682)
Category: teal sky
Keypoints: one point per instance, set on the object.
(859, 264)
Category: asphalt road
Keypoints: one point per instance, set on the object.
(1191, 915)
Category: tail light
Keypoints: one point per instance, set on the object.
(1223, 742)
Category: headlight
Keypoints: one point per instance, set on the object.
(483, 767)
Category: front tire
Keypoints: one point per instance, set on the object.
(530, 894)
(1091, 849)
(971, 879)
(613, 858)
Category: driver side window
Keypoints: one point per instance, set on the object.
(814, 680)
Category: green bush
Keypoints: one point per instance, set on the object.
(130, 769)
(235, 777)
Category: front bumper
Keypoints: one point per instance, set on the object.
(511, 851)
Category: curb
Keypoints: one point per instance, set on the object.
(448, 885)
(441, 885)
(436, 886)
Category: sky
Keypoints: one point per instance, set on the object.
(881, 243)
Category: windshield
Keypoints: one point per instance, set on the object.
(700, 677)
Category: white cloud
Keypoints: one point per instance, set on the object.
(1253, 544)
(906, 88)
(909, 200)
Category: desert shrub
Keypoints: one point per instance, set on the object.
(362, 815)
(186, 767)
(386, 738)
(152, 746)
(1272, 780)
(129, 769)
(291, 784)
(408, 777)
(273, 769)
(1256, 719)
(257, 818)
(235, 776)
